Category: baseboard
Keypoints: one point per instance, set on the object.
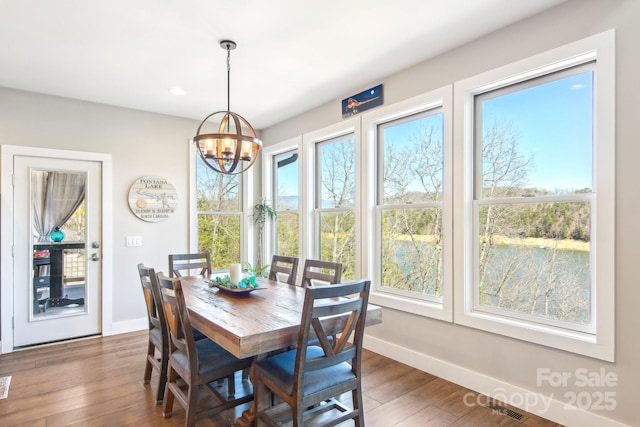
(545, 406)
(114, 328)
(128, 326)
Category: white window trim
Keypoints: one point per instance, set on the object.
(600, 345)
(308, 213)
(440, 98)
(193, 208)
(247, 245)
(268, 154)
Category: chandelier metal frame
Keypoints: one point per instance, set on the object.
(229, 151)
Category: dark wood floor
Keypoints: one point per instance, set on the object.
(98, 382)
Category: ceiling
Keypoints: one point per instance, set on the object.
(292, 55)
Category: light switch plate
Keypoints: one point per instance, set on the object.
(134, 241)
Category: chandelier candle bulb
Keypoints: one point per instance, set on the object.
(208, 146)
(235, 273)
(227, 147)
(246, 151)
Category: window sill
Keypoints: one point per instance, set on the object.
(416, 306)
(599, 346)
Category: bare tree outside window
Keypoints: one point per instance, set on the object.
(534, 221)
(410, 193)
(219, 215)
(335, 202)
(287, 203)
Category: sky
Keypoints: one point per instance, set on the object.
(287, 180)
(553, 122)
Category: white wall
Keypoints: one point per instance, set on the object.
(484, 360)
(140, 144)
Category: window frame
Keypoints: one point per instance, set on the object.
(310, 245)
(268, 155)
(247, 246)
(601, 343)
(372, 210)
(318, 209)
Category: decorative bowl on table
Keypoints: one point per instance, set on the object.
(244, 287)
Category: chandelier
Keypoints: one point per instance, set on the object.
(229, 151)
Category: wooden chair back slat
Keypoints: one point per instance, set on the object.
(323, 272)
(284, 265)
(189, 264)
(175, 322)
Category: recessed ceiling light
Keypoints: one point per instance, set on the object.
(177, 91)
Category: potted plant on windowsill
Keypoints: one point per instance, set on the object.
(262, 212)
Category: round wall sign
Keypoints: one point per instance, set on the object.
(152, 198)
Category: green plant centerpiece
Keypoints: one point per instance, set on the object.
(257, 269)
(262, 212)
(245, 283)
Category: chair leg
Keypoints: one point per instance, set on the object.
(162, 379)
(151, 349)
(231, 387)
(356, 397)
(167, 409)
(298, 413)
(261, 397)
(192, 405)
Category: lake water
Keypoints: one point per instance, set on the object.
(539, 281)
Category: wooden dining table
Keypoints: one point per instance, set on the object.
(253, 324)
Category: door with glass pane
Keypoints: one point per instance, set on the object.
(57, 249)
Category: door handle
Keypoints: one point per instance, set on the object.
(95, 257)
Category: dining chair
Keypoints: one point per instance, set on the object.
(321, 271)
(311, 378)
(284, 265)
(197, 335)
(188, 264)
(158, 344)
(195, 364)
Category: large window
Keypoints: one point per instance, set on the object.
(533, 191)
(536, 204)
(335, 196)
(489, 203)
(409, 228)
(286, 190)
(410, 185)
(219, 215)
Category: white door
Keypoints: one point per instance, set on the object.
(57, 285)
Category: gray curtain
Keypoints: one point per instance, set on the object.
(55, 196)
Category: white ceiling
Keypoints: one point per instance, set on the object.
(292, 55)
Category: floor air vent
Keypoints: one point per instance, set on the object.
(4, 387)
(504, 411)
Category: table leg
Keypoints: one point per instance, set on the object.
(249, 418)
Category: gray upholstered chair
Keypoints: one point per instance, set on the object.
(158, 345)
(195, 364)
(311, 378)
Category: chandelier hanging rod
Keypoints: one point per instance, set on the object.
(229, 46)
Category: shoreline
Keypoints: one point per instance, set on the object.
(531, 242)
(542, 243)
